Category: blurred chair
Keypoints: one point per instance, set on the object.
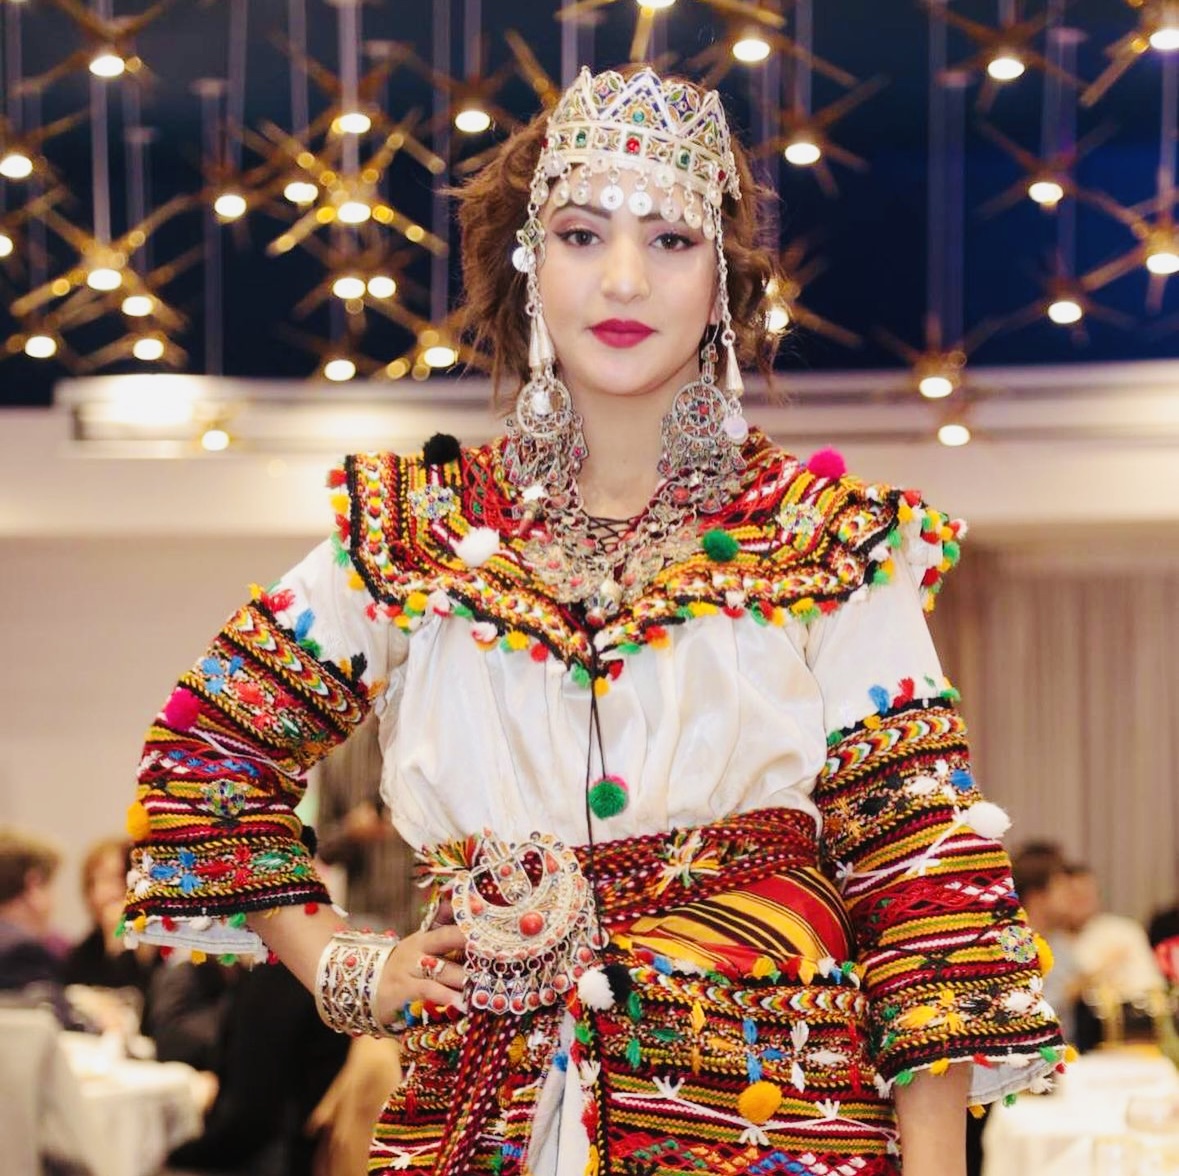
(45, 1124)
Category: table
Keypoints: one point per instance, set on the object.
(142, 1109)
(1052, 1135)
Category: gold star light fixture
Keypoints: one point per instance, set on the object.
(1157, 29)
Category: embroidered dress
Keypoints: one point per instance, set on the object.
(804, 894)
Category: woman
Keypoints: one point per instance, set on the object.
(631, 661)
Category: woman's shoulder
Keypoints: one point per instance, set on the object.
(834, 532)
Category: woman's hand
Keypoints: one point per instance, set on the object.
(419, 969)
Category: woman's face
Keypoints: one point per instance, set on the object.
(626, 300)
(107, 887)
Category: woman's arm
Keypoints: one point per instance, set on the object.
(931, 1113)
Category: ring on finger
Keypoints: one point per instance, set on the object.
(430, 967)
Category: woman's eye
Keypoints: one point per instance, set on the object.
(674, 241)
(577, 237)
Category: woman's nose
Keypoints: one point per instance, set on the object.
(624, 276)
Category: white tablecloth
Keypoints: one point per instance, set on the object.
(142, 1109)
(1053, 1134)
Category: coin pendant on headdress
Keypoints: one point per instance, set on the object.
(612, 197)
(520, 259)
(669, 209)
(640, 202)
(692, 216)
(561, 193)
(714, 195)
(708, 228)
(581, 191)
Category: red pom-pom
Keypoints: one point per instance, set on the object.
(168, 923)
(165, 952)
(311, 908)
(539, 652)
(930, 577)
(181, 710)
(827, 463)
(912, 497)
(336, 478)
(613, 670)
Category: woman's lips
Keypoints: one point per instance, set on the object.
(621, 332)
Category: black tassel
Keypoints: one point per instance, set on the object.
(618, 977)
(440, 449)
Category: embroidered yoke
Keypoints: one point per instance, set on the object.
(786, 669)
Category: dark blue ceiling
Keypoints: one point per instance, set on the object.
(872, 235)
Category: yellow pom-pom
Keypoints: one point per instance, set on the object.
(697, 1016)
(138, 822)
(593, 1165)
(872, 722)
(778, 617)
(339, 503)
(516, 1050)
(198, 956)
(905, 512)
(703, 608)
(1070, 1054)
(806, 971)
(917, 1018)
(516, 640)
(762, 966)
(940, 1066)
(256, 591)
(354, 581)
(416, 602)
(801, 607)
(757, 1103)
(601, 686)
(1044, 955)
(977, 1110)
(139, 923)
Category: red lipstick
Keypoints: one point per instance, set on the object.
(621, 332)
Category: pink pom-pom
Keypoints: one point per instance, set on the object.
(181, 710)
(827, 463)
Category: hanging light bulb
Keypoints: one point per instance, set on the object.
(802, 152)
(954, 434)
(104, 278)
(339, 369)
(440, 355)
(6, 245)
(215, 439)
(348, 286)
(1163, 260)
(1165, 37)
(352, 122)
(382, 286)
(138, 305)
(654, 3)
(40, 346)
(1065, 311)
(1005, 66)
(398, 369)
(15, 165)
(1046, 192)
(777, 318)
(301, 192)
(107, 64)
(230, 206)
(472, 119)
(751, 48)
(148, 348)
(354, 212)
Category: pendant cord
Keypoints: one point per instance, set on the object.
(594, 739)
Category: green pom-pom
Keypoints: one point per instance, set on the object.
(1009, 1100)
(227, 959)
(580, 675)
(634, 1006)
(238, 920)
(895, 538)
(952, 551)
(719, 545)
(634, 1053)
(608, 797)
(903, 1078)
(582, 1032)
(121, 928)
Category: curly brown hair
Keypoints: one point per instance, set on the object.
(493, 205)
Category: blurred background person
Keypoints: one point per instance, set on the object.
(99, 960)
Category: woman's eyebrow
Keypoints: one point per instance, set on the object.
(606, 213)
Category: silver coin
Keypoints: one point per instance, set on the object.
(612, 197)
(520, 259)
(640, 202)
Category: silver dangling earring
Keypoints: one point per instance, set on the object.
(699, 445)
(545, 443)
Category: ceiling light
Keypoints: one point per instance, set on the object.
(935, 387)
(229, 206)
(398, 369)
(354, 212)
(148, 349)
(382, 286)
(1163, 261)
(802, 152)
(301, 192)
(104, 278)
(6, 245)
(352, 122)
(339, 370)
(16, 165)
(654, 3)
(107, 64)
(215, 440)
(349, 286)
(954, 434)
(777, 318)
(1065, 311)
(40, 346)
(1005, 67)
(1046, 192)
(138, 305)
(751, 49)
(472, 120)
(1165, 37)
(441, 355)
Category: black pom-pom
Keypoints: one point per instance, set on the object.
(621, 984)
(309, 839)
(440, 449)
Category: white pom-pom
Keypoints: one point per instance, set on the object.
(987, 819)
(594, 989)
(438, 602)
(477, 546)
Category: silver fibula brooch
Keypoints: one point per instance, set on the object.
(526, 910)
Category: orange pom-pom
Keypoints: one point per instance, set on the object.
(138, 822)
(757, 1103)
